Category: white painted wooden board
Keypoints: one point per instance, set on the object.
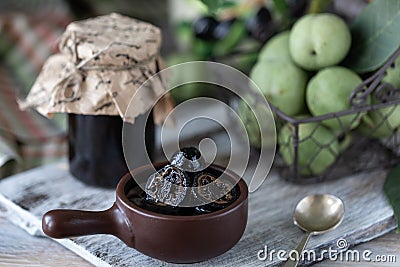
(19, 249)
(27, 196)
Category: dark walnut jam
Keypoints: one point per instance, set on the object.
(176, 191)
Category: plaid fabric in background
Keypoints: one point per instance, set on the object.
(27, 139)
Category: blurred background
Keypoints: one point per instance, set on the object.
(230, 32)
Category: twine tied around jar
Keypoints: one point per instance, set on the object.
(102, 64)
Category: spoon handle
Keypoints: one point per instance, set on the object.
(299, 249)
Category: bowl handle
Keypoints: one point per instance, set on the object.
(69, 223)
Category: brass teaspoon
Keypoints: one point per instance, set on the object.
(316, 214)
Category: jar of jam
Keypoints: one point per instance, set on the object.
(95, 147)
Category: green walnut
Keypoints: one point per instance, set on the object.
(329, 91)
(392, 75)
(387, 119)
(276, 48)
(317, 150)
(282, 83)
(255, 131)
(319, 40)
(384, 121)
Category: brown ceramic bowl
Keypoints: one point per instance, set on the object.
(171, 238)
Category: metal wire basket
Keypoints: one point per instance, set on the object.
(349, 151)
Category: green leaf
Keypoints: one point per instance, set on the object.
(203, 49)
(375, 34)
(214, 6)
(392, 191)
(319, 6)
(281, 6)
(227, 4)
(236, 34)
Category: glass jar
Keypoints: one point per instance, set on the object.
(95, 147)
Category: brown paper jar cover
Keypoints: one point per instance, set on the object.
(102, 63)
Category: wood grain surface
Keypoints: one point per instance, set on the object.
(368, 215)
(387, 245)
(17, 248)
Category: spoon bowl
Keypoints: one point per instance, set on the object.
(316, 214)
(319, 213)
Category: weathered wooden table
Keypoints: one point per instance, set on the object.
(26, 196)
(368, 216)
(17, 248)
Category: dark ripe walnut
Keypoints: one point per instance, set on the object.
(204, 28)
(223, 29)
(137, 196)
(213, 191)
(191, 153)
(188, 159)
(260, 26)
(167, 186)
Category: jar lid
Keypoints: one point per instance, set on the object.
(127, 41)
(102, 64)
